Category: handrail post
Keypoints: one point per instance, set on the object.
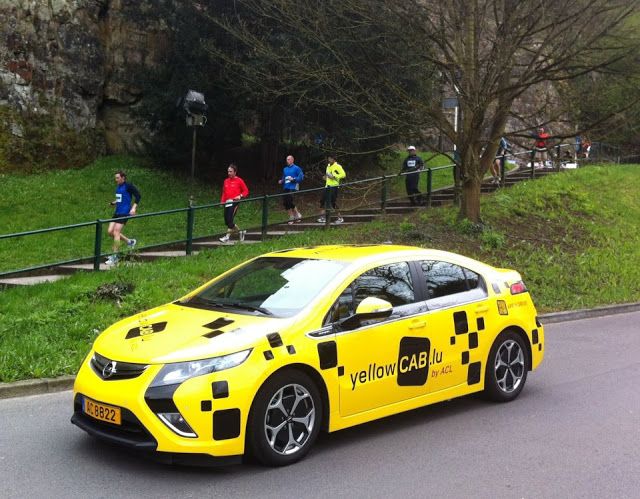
(502, 169)
(190, 223)
(97, 247)
(384, 193)
(558, 162)
(265, 216)
(429, 186)
(533, 155)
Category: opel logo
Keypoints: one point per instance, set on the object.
(109, 370)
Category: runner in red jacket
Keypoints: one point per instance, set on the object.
(233, 190)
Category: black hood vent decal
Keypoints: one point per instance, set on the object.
(145, 329)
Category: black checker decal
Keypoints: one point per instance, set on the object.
(534, 336)
(291, 349)
(539, 347)
(146, 329)
(473, 375)
(218, 323)
(268, 354)
(340, 370)
(473, 340)
(226, 424)
(460, 322)
(465, 358)
(452, 340)
(213, 334)
(205, 406)
(274, 340)
(328, 354)
(413, 361)
(480, 323)
(220, 389)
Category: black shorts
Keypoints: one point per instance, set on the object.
(120, 219)
(287, 201)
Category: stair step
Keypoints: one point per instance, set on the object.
(30, 280)
(154, 255)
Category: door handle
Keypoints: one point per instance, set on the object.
(417, 324)
(482, 309)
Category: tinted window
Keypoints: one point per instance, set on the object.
(449, 285)
(443, 278)
(389, 282)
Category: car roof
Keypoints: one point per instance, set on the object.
(365, 252)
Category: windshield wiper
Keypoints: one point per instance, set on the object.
(245, 306)
(199, 302)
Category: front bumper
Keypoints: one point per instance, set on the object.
(142, 430)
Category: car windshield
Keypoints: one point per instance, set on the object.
(272, 286)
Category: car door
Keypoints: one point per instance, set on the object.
(457, 302)
(382, 361)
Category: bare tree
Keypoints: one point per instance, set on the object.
(393, 61)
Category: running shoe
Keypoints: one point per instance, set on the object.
(132, 243)
(322, 220)
(339, 220)
(225, 238)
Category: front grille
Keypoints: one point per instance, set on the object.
(116, 370)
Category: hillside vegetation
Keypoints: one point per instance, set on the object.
(575, 237)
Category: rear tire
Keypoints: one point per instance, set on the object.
(285, 419)
(506, 371)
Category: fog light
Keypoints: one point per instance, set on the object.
(177, 423)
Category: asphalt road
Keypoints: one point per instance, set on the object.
(573, 432)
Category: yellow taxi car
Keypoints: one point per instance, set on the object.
(260, 359)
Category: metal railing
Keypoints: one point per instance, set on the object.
(382, 182)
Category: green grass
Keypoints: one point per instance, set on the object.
(574, 237)
(70, 197)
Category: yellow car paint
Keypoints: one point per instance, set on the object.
(381, 367)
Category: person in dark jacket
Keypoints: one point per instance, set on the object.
(413, 164)
(126, 203)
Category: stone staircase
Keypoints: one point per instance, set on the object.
(401, 206)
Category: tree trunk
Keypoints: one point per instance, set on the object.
(470, 203)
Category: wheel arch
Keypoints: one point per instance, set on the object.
(523, 336)
(316, 378)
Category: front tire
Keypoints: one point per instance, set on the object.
(285, 419)
(506, 371)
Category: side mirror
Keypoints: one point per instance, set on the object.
(369, 308)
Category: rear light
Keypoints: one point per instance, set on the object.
(517, 288)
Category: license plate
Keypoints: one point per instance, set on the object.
(103, 412)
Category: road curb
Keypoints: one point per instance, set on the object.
(588, 313)
(35, 386)
(50, 385)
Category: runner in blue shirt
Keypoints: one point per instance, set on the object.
(126, 203)
(292, 175)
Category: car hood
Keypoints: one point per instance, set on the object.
(174, 333)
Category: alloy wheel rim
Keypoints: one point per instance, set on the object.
(509, 366)
(289, 419)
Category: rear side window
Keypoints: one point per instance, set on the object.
(449, 284)
(443, 278)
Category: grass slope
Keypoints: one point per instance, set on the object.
(71, 197)
(574, 237)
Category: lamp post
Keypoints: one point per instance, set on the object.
(195, 108)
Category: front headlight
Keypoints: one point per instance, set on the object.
(173, 374)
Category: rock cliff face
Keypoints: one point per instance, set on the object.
(79, 59)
